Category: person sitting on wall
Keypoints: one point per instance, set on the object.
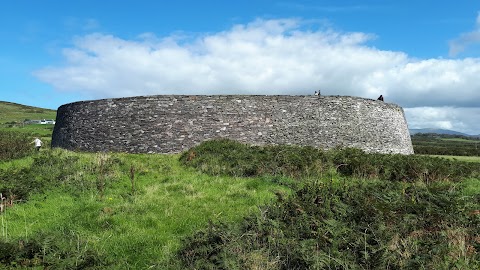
(317, 93)
(380, 98)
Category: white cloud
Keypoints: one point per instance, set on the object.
(263, 57)
(458, 119)
(465, 40)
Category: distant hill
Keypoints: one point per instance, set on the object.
(439, 131)
(13, 112)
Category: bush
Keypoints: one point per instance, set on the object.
(14, 145)
(57, 251)
(362, 225)
(56, 169)
(226, 157)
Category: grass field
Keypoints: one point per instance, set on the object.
(44, 132)
(135, 211)
(461, 158)
(441, 144)
(13, 112)
(135, 226)
(460, 140)
(12, 116)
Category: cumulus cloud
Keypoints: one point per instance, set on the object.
(458, 119)
(263, 57)
(465, 40)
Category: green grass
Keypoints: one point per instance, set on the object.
(81, 210)
(13, 112)
(132, 229)
(441, 144)
(44, 132)
(459, 140)
(350, 225)
(12, 116)
(460, 158)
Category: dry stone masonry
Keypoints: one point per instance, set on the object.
(173, 123)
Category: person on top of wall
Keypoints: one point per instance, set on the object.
(380, 98)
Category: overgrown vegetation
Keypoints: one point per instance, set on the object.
(359, 225)
(66, 210)
(58, 250)
(226, 157)
(408, 212)
(14, 145)
(57, 168)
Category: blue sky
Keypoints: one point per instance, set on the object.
(422, 55)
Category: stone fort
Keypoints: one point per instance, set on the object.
(173, 123)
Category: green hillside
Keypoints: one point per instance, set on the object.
(13, 112)
(12, 116)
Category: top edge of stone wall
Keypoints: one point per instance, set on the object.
(153, 97)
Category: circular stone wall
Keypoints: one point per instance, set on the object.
(171, 124)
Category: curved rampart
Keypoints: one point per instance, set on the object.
(173, 123)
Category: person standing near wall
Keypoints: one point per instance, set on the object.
(38, 143)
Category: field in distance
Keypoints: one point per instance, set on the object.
(13, 115)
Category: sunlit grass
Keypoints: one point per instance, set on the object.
(141, 226)
(460, 158)
(459, 140)
(17, 113)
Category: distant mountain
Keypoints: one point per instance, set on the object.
(437, 131)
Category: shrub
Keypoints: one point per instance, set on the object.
(226, 157)
(56, 251)
(56, 169)
(361, 225)
(14, 145)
